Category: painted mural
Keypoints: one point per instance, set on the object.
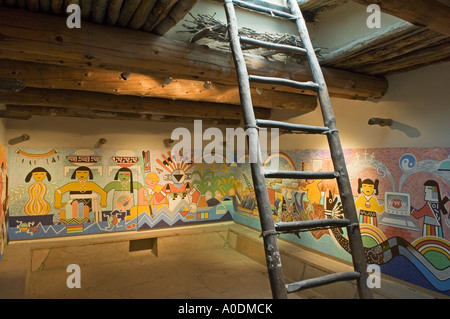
(401, 196)
(3, 201)
(62, 192)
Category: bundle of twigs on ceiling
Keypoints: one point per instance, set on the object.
(207, 26)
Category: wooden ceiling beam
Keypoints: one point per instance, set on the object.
(49, 76)
(48, 40)
(176, 14)
(141, 14)
(25, 112)
(126, 12)
(361, 45)
(433, 14)
(397, 48)
(98, 12)
(402, 46)
(125, 103)
(159, 12)
(86, 7)
(437, 52)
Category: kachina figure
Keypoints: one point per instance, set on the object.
(431, 211)
(367, 203)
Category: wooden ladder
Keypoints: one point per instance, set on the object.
(270, 230)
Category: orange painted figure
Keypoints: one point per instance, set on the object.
(367, 203)
(150, 198)
(152, 194)
(81, 192)
(312, 190)
(37, 205)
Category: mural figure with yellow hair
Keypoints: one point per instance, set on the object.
(150, 197)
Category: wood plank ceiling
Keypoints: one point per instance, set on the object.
(421, 39)
(111, 69)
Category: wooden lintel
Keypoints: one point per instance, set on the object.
(50, 76)
(433, 14)
(402, 46)
(396, 49)
(25, 112)
(429, 55)
(40, 38)
(361, 45)
(124, 103)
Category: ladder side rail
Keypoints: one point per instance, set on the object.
(273, 260)
(337, 154)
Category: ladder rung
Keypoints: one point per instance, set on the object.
(255, 7)
(311, 224)
(320, 281)
(293, 127)
(286, 82)
(273, 46)
(300, 175)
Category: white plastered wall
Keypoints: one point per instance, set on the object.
(417, 102)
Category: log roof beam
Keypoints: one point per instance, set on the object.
(125, 103)
(397, 48)
(32, 37)
(26, 112)
(157, 16)
(50, 76)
